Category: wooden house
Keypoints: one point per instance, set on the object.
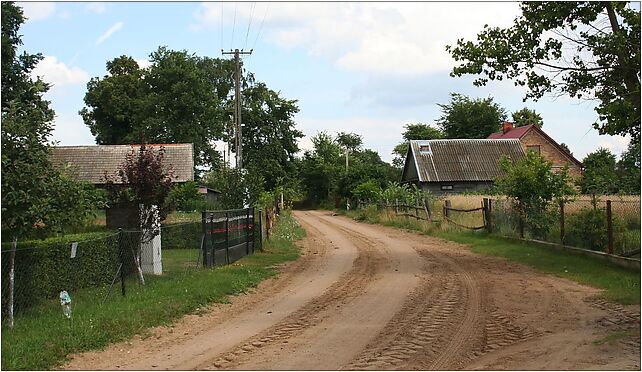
(452, 166)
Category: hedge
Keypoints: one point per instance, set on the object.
(182, 235)
(43, 268)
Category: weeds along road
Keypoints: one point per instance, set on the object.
(371, 297)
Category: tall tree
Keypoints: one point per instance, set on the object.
(269, 134)
(179, 98)
(416, 131)
(349, 141)
(527, 116)
(600, 175)
(628, 169)
(582, 49)
(33, 190)
(464, 117)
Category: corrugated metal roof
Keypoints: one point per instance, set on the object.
(518, 132)
(89, 163)
(463, 159)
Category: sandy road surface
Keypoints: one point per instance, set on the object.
(370, 297)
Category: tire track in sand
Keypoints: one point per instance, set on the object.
(351, 284)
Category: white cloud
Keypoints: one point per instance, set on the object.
(70, 130)
(58, 74)
(143, 62)
(37, 11)
(96, 7)
(117, 26)
(386, 38)
(617, 144)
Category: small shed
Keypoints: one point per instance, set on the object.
(452, 166)
(209, 195)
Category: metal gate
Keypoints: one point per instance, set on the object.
(227, 236)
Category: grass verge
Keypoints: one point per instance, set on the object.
(43, 337)
(620, 285)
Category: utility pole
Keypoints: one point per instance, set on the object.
(237, 104)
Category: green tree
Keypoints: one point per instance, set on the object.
(628, 169)
(349, 141)
(319, 168)
(527, 116)
(582, 49)
(463, 117)
(180, 98)
(600, 175)
(34, 192)
(532, 183)
(269, 134)
(565, 148)
(417, 131)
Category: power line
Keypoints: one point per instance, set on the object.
(234, 26)
(249, 24)
(261, 26)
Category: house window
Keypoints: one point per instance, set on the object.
(446, 187)
(425, 149)
(533, 148)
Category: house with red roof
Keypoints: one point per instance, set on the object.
(533, 138)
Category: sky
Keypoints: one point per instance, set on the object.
(367, 68)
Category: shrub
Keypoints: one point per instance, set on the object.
(182, 236)
(588, 229)
(43, 268)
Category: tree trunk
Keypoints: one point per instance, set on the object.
(12, 274)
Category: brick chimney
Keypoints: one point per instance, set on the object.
(507, 126)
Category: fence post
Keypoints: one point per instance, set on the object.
(427, 210)
(396, 206)
(490, 215)
(253, 229)
(121, 255)
(521, 220)
(562, 231)
(261, 230)
(211, 257)
(485, 212)
(417, 208)
(609, 225)
(447, 205)
(12, 277)
(227, 238)
(204, 238)
(267, 224)
(247, 232)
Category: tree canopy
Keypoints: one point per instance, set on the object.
(527, 116)
(599, 173)
(180, 97)
(464, 117)
(35, 193)
(269, 134)
(588, 50)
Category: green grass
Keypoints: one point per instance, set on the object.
(620, 285)
(613, 337)
(42, 337)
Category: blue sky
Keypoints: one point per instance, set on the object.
(367, 68)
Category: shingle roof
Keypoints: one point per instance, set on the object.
(518, 132)
(462, 159)
(89, 163)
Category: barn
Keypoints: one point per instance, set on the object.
(453, 166)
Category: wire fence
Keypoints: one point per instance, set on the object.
(605, 225)
(95, 267)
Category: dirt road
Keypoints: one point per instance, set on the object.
(370, 297)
